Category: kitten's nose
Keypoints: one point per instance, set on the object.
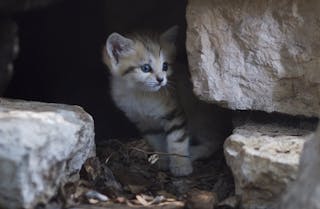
(159, 79)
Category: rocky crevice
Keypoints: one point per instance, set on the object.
(242, 55)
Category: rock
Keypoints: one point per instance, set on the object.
(8, 51)
(99, 175)
(256, 55)
(42, 146)
(134, 180)
(231, 202)
(200, 199)
(264, 159)
(305, 192)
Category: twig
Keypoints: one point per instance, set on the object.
(148, 152)
(158, 153)
(108, 158)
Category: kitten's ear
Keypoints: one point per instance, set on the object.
(118, 45)
(170, 35)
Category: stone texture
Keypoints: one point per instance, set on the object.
(41, 146)
(200, 199)
(256, 55)
(264, 159)
(8, 51)
(305, 192)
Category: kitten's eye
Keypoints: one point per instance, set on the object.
(165, 66)
(146, 68)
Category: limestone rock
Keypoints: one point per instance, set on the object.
(264, 159)
(305, 192)
(8, 51)
(256, 55)
(200, 199)
(41, 146)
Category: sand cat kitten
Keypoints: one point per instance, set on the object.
(156, 95)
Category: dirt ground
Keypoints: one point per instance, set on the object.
(125, 175)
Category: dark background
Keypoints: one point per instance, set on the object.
(60, 53)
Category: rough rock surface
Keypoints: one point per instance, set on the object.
(41, 146)
(264, 159)
(261, 55)
(305, 192)
(8, 51)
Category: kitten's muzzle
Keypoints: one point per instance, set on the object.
(160, 79)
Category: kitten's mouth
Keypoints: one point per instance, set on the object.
(156, 87)
(160, 85)
(152, 87)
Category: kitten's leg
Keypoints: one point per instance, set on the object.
(158, 143)
(178, 143)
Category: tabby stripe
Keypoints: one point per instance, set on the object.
(171, 115)
(128, 70)
(176, 127)
(182, 138)
(152, 132)
(147, 46)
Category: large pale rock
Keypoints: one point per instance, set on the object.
(41, 146)
(261, 55)
(264, 159)
(305, 192)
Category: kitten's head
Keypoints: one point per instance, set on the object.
(143, 61)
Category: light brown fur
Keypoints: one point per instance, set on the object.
(167, 113)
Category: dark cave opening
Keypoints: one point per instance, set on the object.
(60, 53)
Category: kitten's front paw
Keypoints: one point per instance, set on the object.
(180, 166)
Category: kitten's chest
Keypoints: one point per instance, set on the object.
(141, 107)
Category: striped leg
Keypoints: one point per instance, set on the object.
(178, 143)
(158, 143)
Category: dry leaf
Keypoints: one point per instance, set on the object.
(153, 159)
(91, 194)
(141, 200)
